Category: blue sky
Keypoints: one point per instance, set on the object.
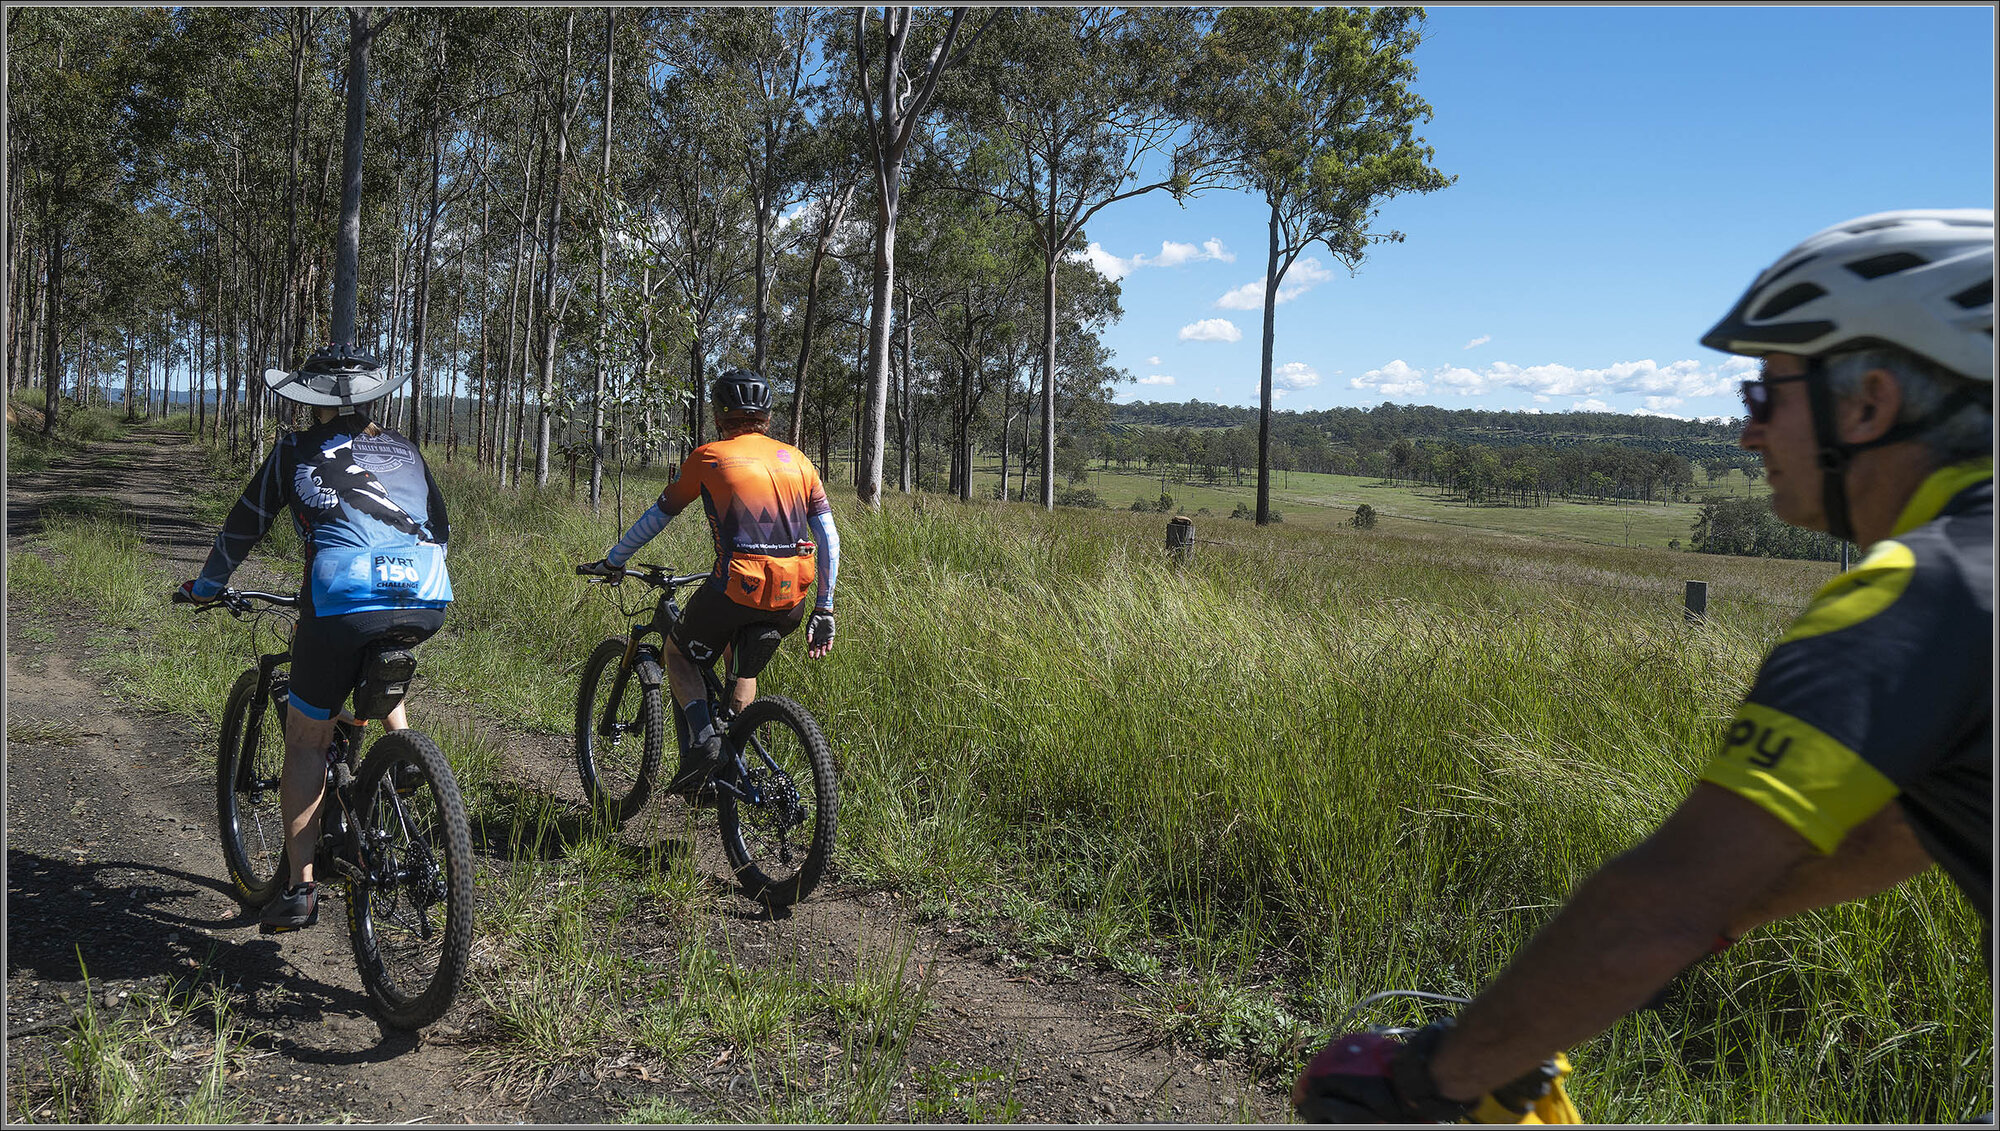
(1623, 173)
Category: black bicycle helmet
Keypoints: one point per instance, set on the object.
(742, 390)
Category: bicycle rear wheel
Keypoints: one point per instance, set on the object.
(778, 848)
(410, 915)
(618, 746)
(249, 763)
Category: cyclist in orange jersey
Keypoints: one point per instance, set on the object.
(774, 539)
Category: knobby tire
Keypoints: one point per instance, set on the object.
(618, 770)
(411, 920)
(775, 865)
(252, 821)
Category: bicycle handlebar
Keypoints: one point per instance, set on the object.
(658, 576)
(237, 601)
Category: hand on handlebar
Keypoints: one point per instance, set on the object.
(1373, 1077)
(185, 595)
(603, 569)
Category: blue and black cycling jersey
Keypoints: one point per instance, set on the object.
(367, 512)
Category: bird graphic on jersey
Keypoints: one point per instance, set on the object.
(354, 485)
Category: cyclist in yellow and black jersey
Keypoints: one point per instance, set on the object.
(1864, 749)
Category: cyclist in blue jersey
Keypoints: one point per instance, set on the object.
(373, 528)
(1863, 752)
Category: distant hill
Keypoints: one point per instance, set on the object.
(1386, 423)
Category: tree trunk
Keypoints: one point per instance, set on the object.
(868, 457)
(1272, 273)
(1049, 374)
(810, 323)
(347, 257)
(552, 318)
(52, 328)
(603, 284)
(903, 409)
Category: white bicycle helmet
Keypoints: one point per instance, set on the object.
(1921, 279)
(336, 377)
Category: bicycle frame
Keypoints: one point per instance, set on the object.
(666, 617)
(339, 770)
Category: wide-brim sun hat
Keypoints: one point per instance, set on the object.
(335, 378)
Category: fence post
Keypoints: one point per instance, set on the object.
(1180, 539)
(1697, 602)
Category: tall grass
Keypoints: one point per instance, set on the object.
(1303, 767)
(1381, 759)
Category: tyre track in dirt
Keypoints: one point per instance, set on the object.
(111, 852)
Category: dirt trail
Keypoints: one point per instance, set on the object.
(112, 863)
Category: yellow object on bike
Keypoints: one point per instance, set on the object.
(1554, 1107)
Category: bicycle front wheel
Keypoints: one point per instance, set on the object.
(778, 846)
(620, 732)
(249, 764)
(410, 915)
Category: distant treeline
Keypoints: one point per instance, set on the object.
(1489, 458)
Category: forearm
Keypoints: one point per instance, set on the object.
(828, 563)
(1644, 917)
(1876, 855)
(1623, 935)
(642, 531)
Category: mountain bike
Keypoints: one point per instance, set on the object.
(394, 832)
(775, 793)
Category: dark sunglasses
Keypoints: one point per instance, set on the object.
(1757, 395)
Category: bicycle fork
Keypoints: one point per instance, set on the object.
(608, 725)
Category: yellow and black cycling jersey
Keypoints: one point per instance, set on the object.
(1884, 689)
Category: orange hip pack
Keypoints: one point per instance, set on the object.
(764, 582)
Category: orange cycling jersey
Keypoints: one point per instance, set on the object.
(759, 494)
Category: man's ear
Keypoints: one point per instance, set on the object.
(1873, 409)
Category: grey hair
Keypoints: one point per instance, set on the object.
(1965, 434)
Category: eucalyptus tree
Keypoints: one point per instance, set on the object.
(432, 72)
(904, 99)
(831, 168)
(976, 281)
(704, 223)
(1099, 116)
(1316, 111)
(775, 62)
(70, 77)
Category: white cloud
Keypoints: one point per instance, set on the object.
(1107, 264)
(1152, 361)
(1479, 341)
(1174, 254)
(1294, 375)
(1171, 255)
(1156, 379)
(1396, 379)
(1304, 276)
(1211, 330)
(1663, 386)
(1590, 405)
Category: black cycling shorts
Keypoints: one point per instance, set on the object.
(327, 653)
(711, 621)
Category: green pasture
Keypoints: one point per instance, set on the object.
(1316, 500)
